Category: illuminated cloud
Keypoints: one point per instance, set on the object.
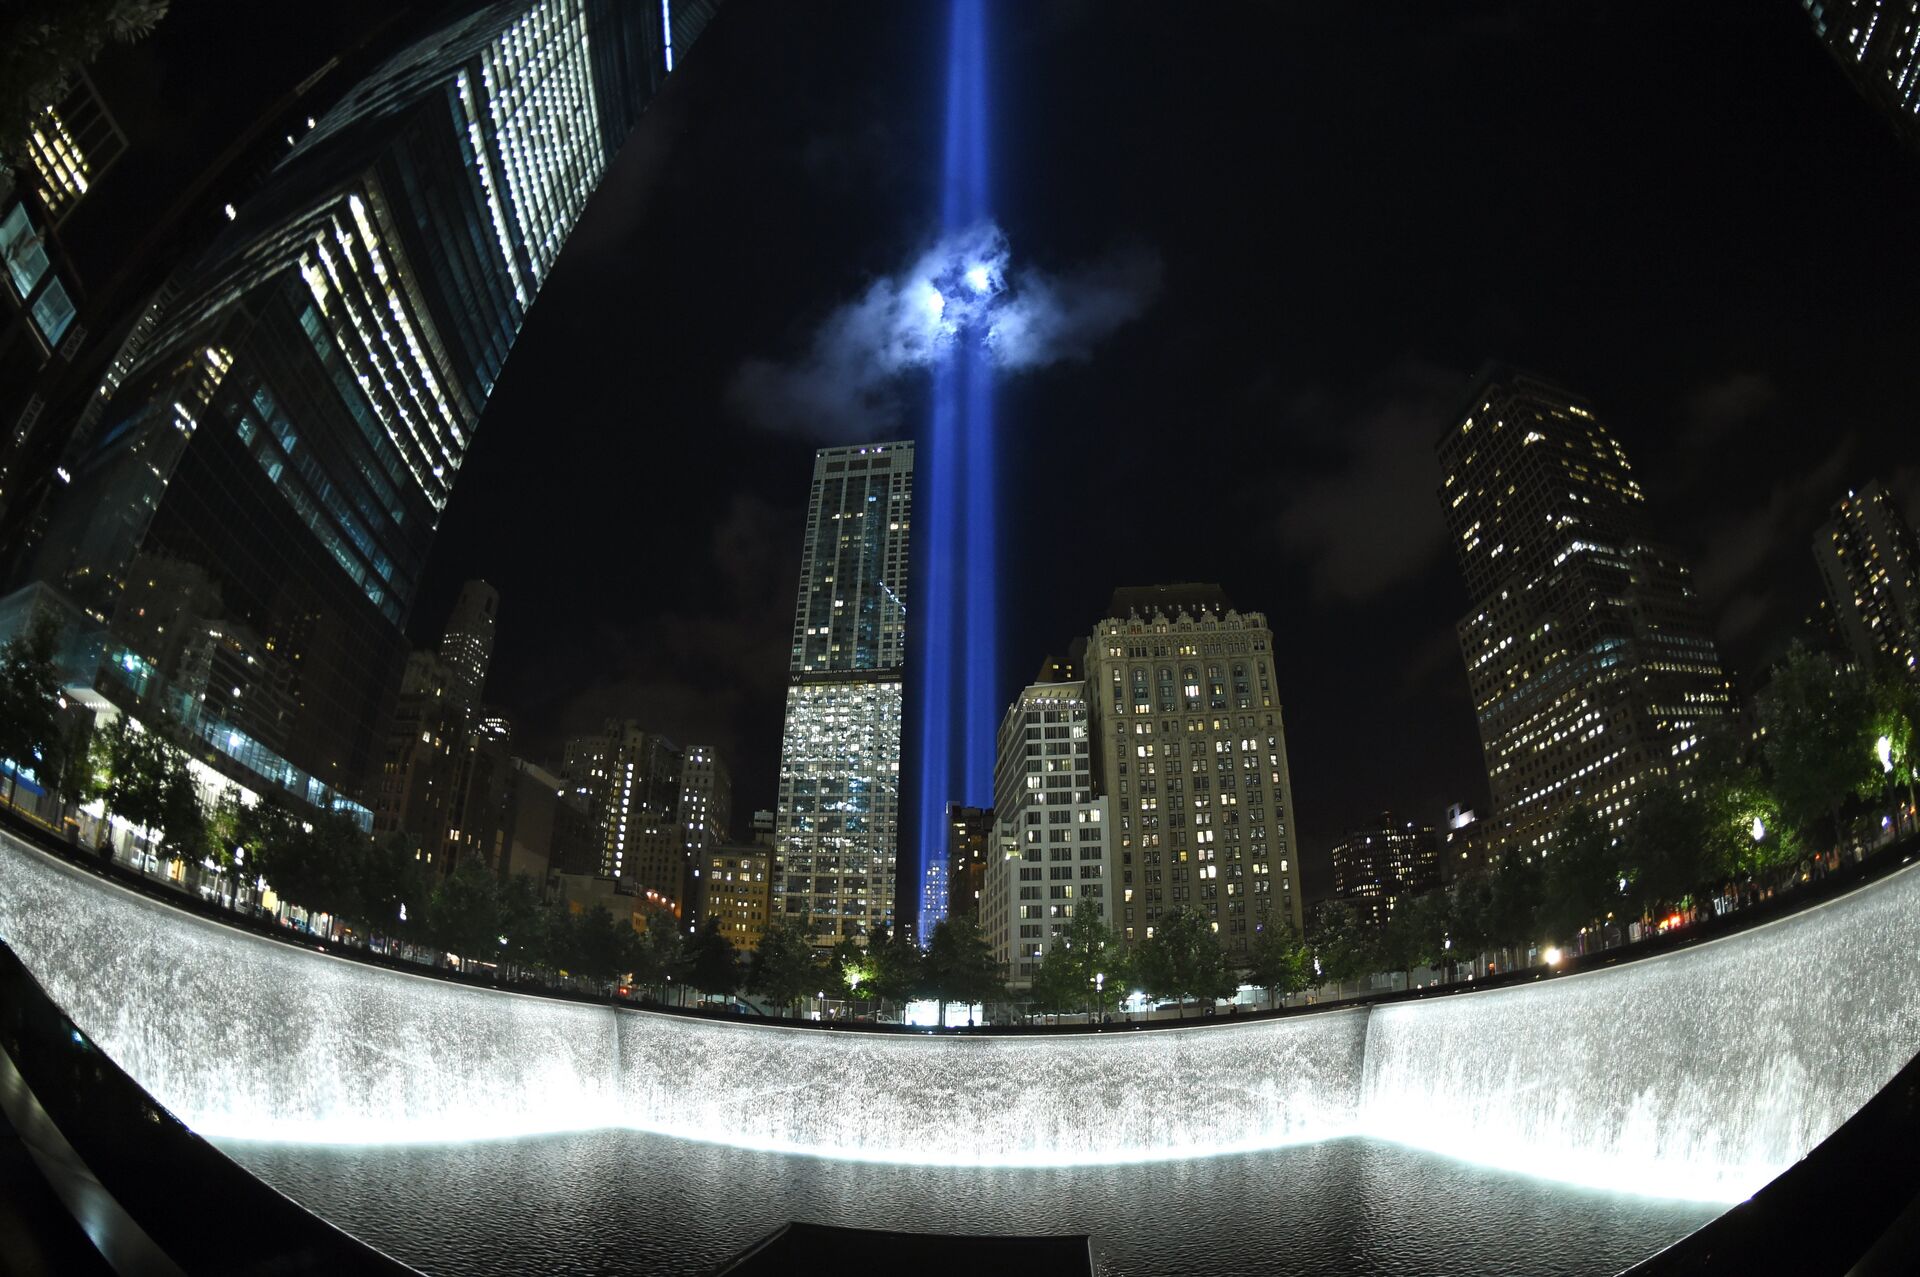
(966, 287)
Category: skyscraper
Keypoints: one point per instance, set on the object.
(467, 646)
(630, 778)
(1877, 44)
(1871, 563)
(1055, 853)
(1380, 862)
(837, 820)
(1193, 757)
(1591, 667)
(295, 424)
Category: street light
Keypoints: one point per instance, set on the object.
(1759, 830)
(1883, 750)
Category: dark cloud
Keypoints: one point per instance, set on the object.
(1371, 522)
(1720, 407)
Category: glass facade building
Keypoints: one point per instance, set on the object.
(1591, 666)
(1877, 44)
(836, 830)
(1870, 561)
(294, 427)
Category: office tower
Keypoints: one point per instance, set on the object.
(1877, 44)
(418, 767)
(1054, 853)
(969, 838)
(296, 422)
(1377, 864)
(1869, 559)
(706, 799)
(837, 820)
(630, 778)
(734, 888)
(1193, 757)
(1591, 667)
(467, 646)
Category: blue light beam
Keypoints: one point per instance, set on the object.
(956, 673)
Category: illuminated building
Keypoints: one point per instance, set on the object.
(836, 829)
(1466, 845)
(1376, 865)
(295, 424)
(734, 889)
(1193, 758)
(467, 645)
(71, 146)
(1592, 670)
(969, 839)
(1871, 564)
(1877, 44)
(630, 778)
(706, 799)
(1054, 854)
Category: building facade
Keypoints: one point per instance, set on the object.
(837, 820)
(1877, 44)
(467, 645)
(970, 836)
(1591, 666)
(1383, 861)
(735, 890)
(1870, 561)
(1054, 853)
(1192, 756)
(295, 423)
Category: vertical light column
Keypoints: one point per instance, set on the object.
(955, 673)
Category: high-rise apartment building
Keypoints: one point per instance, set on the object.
(1871, 563)
(295, 423)
(970, 837)
(1591, 666)
(1383, 861)
(1193, 758)
(837, 820)
(1877, 44)
(1054, 853)
(467, 646)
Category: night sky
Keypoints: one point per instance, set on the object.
(1326, 216)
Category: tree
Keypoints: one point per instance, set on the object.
(137, 764)
(1816, 724)
(79, 774)
(1182, 959)
(601, 946)
(959, 966)
(44, 43)
(1415, 934)
(783, 969)
(1343, 946)
(1278, 961)
(1670, 847)
(713, 966)
(1514, 901)
(396, 892)
(1582, 875)
(894, 968)
(1896, 721)
(660, 953)
(1084, 969)
(464, 917)
(852, 972)
(183, 816)
(1469, 911)
(523, 914)
(30, 701)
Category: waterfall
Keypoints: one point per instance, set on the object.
(1698, 1074)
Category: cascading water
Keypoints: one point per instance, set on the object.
(1701, 1074)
